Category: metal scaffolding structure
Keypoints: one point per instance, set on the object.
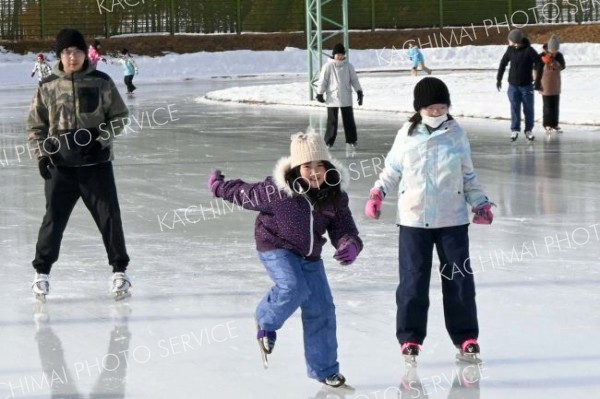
(315, 36)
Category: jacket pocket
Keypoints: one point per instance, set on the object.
(89, 99)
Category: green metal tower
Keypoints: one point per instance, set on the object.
(315, 36)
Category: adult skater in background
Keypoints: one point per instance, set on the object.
(72, 121)
(41, 67)
(95, 53)
(430, 160)
(336, 81)
(417, 58)
(523, 60)
(303, 200)
(554, 62)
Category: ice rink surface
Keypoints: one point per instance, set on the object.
(188, 329)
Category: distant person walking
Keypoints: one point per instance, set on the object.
(337, 80)
(95, 53)
(41, 67)
(523, 60)
(417, 58)
(554, 63)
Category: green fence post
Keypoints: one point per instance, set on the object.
(106, 29)
(42, 25)
(172, 16)
(238, 28)
(441, 13)
(372, 15)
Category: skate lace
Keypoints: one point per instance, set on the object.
(120, 282)
(335, 380)
(410, 348)
(470, 346)
(41, 286)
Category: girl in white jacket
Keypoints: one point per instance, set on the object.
(336, 81)
(430, 161)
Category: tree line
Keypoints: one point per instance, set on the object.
(44, 18)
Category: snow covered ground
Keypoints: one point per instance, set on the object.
(188, 329)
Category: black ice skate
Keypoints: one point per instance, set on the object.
(266, 343)
(120, 286)
(469, 351)
(410, 351)
(40, 286)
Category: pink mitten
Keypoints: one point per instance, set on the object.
(483, 214)
(373, 206)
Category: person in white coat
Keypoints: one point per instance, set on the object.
(336, 82)
(430, 162)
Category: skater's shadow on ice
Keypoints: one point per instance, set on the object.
(461, 383)
(331, 393)
(61, 378)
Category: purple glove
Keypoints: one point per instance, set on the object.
(483, 213)
(373, 206)
(214, 181)
(346, 252)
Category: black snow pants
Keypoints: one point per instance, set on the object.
(332, 125)
(129, 83)
(95, 184)
(458, 286)
(550, 111)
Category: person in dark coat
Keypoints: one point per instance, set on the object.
(554, 63)
(523, 61)
(303, 200)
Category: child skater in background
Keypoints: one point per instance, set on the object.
(431, 161)
(95, 53)
(416, 56)
(41, 67)
(303, 200)
(554, 63)
(130, 69)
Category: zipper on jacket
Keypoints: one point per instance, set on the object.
(74, 101)
(311, 224)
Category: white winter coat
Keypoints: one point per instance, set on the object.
(436, 176)
(336, 82)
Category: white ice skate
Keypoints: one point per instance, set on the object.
(40, 286)
(120, 285)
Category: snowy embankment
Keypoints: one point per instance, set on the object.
(473, 92)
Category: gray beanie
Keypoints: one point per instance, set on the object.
(553, 44)
(515, 36)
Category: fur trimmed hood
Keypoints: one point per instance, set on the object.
(284, 165)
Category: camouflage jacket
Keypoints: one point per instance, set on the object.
(73, 118)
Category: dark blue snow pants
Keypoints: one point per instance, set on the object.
(458, 286)
(521, 95)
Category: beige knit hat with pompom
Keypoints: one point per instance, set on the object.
(308, 147)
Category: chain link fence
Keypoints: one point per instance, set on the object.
(27, 19)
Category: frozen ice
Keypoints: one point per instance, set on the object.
(188, 329)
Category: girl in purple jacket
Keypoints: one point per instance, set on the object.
(303, 200)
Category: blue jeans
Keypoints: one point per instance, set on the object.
(458, 286)
(300, 283)
(521, 95)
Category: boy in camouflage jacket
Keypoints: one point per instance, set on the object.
(73, 118)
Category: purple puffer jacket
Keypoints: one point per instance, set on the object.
(287, 219)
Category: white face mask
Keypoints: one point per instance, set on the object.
(434, 121)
